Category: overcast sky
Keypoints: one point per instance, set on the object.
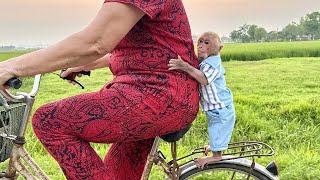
(48, 21)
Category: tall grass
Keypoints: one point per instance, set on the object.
(10, 54)
(259, 51)
(277, 101)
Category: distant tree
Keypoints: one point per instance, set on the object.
(252, 32)
(7, 48)
(292, 31)
(235, 36)
(245, 38)
(260, 34)
(242, 34)
(272, 36)
(225, 39)
(311, 24)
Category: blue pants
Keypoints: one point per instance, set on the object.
(220, 126)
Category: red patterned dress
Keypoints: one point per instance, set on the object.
(144, 100)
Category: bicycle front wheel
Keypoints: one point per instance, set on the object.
(223, 171)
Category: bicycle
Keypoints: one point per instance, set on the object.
(14, 116)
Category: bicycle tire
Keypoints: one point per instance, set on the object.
(219, 167)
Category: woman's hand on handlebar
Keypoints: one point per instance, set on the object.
(5, 75)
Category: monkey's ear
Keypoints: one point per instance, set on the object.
(221, 46)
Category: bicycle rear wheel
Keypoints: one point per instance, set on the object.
(223, 171)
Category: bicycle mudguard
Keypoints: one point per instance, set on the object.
(191, 165)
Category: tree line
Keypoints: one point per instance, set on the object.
(307, 29)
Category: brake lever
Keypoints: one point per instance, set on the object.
(71, 78)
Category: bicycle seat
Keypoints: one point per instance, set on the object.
(175, 136)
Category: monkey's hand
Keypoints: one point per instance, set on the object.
(178, 64)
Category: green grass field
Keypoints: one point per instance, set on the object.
(269, 50)
(277, 101)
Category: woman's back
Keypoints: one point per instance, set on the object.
(141, 58)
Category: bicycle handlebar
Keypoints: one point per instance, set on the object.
(22, 95)
(14, 82)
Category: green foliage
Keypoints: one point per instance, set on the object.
(249, 33)
(311, 23)
(292, 31)
(277, 101)
(308, 28)
(269, 50)
(260, 34)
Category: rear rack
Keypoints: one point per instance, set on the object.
(243, 149)
(236, 150)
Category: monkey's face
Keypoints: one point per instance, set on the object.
(207, 46)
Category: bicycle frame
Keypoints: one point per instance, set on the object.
(171, 169)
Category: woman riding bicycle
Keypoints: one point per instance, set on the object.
(144, 100)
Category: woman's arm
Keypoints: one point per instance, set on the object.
(100, 63)
(111, 24)
(179, 64)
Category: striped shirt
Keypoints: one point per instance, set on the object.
(215, 95)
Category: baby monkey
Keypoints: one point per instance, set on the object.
(215, 98)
